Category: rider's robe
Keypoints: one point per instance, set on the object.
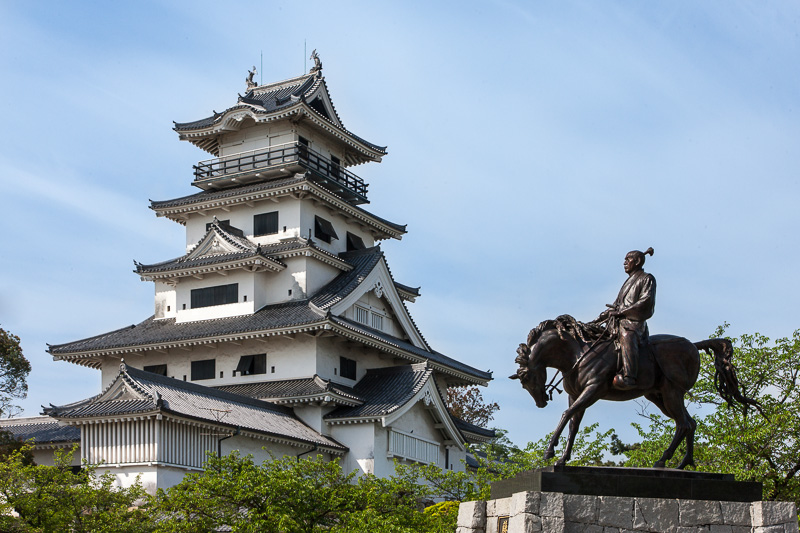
(637, 302)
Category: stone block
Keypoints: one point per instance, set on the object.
(525, 523)
(552, 504)
(580, 527)
(691, 529)
(721, 528)
(579, 508)
(700, 512)
(525, 502)
(653, 514)
(502, 507)
(736, 513)
(552, 524)
(769, 529)
(773, 513)
(472, 515)
(741, 529)
(615, 512)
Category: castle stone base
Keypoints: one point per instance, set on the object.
(556, 512)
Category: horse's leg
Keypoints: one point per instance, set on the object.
(670, 402)
(587, 397)
(574, 424)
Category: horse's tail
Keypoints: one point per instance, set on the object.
(725, 380)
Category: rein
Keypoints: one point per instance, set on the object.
(550, 387)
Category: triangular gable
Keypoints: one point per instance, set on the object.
(320, 101)
(121, 390)
(217, 241)
(433, 402)
(380, 281)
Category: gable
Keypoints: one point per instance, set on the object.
(378, 286)
(216, 243)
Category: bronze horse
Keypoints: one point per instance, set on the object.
(667, 370)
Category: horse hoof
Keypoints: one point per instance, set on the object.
(659, 464)
(549, 455)
(561, 462)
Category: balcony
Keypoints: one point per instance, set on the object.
(277, 161)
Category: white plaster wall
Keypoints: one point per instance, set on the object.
(241, 217)
(259, 449)
(360, 439)
(384, 465)
(165, 303)
(319, 274)
(418, 422)
(46, 456)
(246, 281)
(331, 348)
(291, 359)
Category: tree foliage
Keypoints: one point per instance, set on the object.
(14, 370)
(55, 498)
(747, 444)
(467, 403)
(289, 496)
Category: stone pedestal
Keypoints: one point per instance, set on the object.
(633, 482)
(556, 512)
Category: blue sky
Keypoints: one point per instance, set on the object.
(531, 145)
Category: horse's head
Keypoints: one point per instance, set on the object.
(531, 375)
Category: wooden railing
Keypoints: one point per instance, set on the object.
(324, 171)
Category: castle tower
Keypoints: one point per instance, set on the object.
(280, 325)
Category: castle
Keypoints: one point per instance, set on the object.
(280, 328)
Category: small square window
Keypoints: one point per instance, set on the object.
(347, 368)
(204, 369)
(252, 364)
(265, 224)
(161, 370)
(323, 230)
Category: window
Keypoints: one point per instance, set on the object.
(265, 224)
(203, 369)
(377, 321)
(221, 223)
(354, 242)
(323, 230)
(302, 146)
(218, 295)
(161, 370)
(252, 364)
(347, 368)
(336, 165)
(362, 315)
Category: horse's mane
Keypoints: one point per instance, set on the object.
(567, 325)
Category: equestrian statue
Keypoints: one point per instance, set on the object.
(614, 358)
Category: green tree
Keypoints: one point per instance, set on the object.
(14, 370)
(750, 446)
(289, 496)
(55, 498)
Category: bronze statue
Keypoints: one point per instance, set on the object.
(627, 317)
(662, 370)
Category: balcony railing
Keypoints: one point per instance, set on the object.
(257, 164)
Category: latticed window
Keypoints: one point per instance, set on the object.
(265, 224)
(377, 321)
(218, 295)
(362, 315)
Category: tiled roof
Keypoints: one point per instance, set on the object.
(432, 355)
(42, 429)
(166, 330)
(411, 290)
(162, 394)
(186, 263)
(465, 426)
(291, 388)
(363, 262)
(385, 390)
(275, 97)
(211, 195)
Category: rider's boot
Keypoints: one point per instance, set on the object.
(626, 380)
